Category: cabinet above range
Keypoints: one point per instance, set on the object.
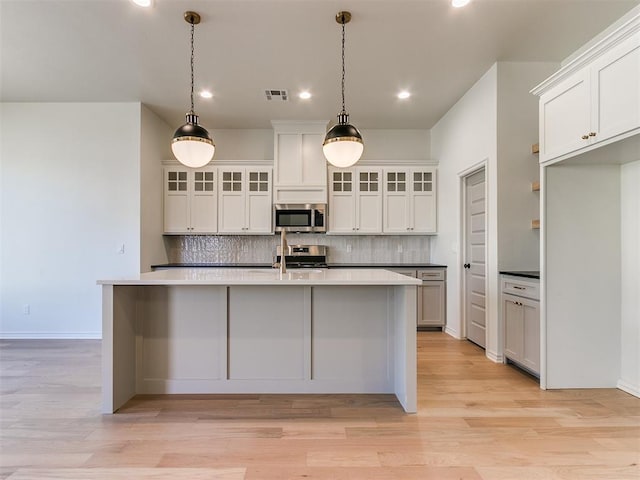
(300, 169)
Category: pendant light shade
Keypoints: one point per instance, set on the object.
(343, 145)
(192, 145)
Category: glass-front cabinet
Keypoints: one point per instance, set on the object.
(190, 200)
(409, 205)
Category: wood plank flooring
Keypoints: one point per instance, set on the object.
(476, 421)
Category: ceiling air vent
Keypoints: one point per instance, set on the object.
(275, 94)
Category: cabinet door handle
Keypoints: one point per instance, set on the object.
(592, 134)
(519, 288)
(467, 265)
(585, 137)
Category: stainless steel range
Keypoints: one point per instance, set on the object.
(303, 256)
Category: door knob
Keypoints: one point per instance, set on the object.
(585, 137)
(467, 265)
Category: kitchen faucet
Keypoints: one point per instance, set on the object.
(284, 248)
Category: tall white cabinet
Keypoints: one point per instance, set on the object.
(589, 218)
(190, 200)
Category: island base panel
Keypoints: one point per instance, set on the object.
(259, 339)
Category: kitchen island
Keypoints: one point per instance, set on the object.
(226, 330)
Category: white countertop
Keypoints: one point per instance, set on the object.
(265, 276)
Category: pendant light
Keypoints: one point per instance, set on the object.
(343, 143)
(192, 145)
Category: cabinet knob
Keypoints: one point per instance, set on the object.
(585, 137)
(592, 134)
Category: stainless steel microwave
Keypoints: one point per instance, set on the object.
(305, 217)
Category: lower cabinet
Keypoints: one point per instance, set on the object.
(432, 296)
(521, 317)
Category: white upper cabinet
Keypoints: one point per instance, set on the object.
(355, 200)
(567, 117)
(595, 99)
(245, 200)
(300, 169)
(615, 79)
(190, 199)
(409, 200)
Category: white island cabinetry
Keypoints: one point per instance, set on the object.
(259, 331)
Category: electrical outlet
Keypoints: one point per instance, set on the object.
(399, 248)
(348, 248)
(26, 309)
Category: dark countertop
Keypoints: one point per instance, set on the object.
(268, 265)
(522, 273)
(386, 265)
(212, 265)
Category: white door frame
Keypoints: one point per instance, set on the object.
(462, 239)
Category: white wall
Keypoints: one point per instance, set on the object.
(630, 279)
(464, 137)
(70, 198)
(393, 145)
(518, 243)
(155, 145)
(396, 145)
(249, 144)
(582, 279)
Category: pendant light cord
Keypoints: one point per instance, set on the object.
(343, 107)
(192, 33)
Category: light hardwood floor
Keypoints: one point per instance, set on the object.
(476, 420)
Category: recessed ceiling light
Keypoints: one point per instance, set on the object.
(305, 95)
(206, 94)
(143, 3)
(459, 3)
(403, 94)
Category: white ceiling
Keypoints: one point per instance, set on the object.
(113, 51)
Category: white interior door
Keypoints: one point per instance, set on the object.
(475, 255)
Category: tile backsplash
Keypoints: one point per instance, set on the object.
(369, 249)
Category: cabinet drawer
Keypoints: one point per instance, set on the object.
(432, 274)
(404, 271)
(521, 288)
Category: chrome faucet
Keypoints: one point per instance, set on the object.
(284, 248)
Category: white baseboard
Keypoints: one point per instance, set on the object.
(50, 335)
(630, 389)
(453, 333)
(494, 357)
